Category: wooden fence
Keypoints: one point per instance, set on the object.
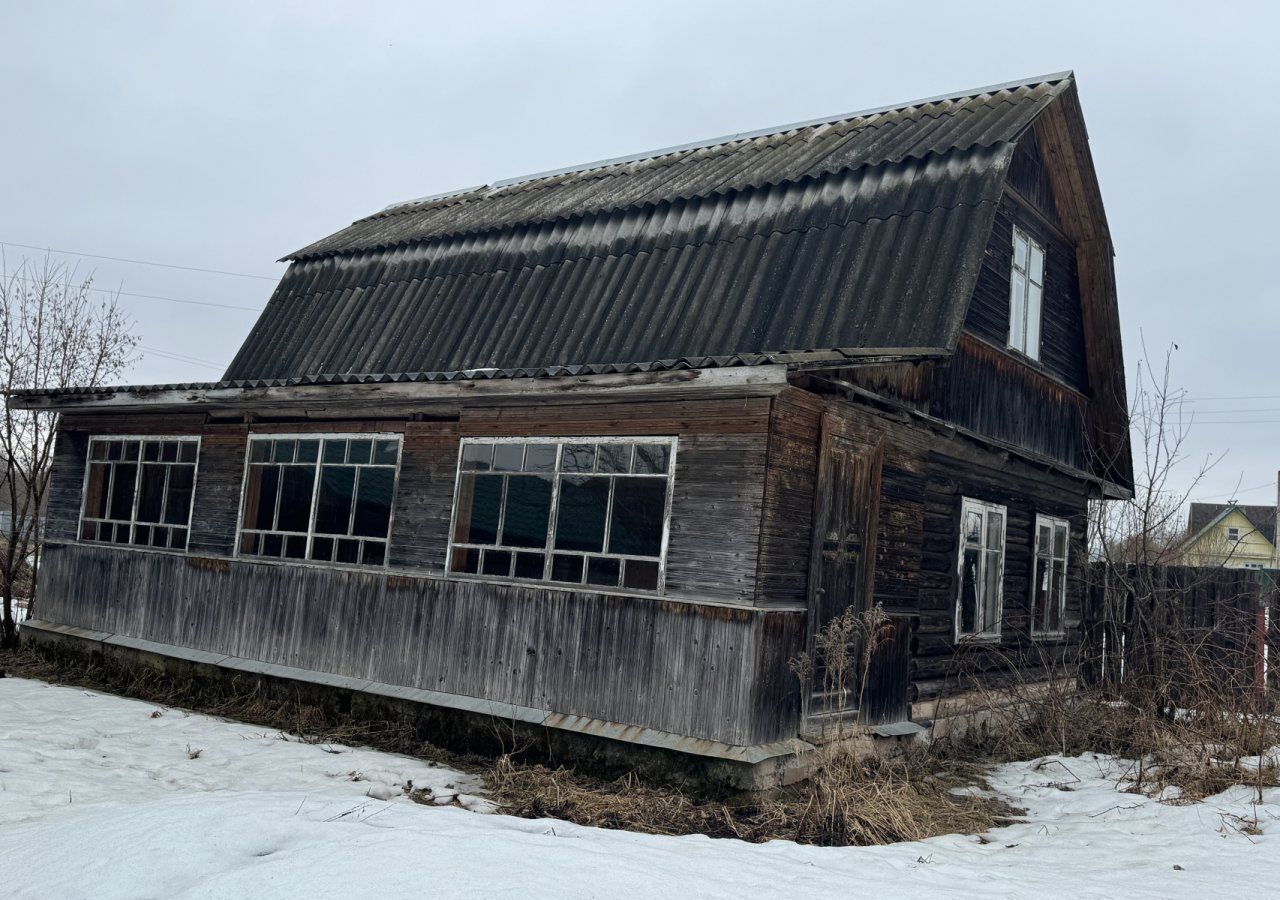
(1179, 628)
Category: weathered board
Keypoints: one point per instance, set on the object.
(690, 669)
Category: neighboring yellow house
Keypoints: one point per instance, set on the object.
(1230, 535)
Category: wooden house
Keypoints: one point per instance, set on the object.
(600, 450)
(1232, 535)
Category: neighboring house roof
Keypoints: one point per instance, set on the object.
(861, 232)
(1204, 516)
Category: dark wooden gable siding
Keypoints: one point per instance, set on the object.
(1062, 332)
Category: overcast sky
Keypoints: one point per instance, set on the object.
(222, 136)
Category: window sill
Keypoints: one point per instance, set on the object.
(977, 638)
(1048, 637)
(554, 585)
(136, 548)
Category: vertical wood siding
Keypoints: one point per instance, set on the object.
(685, 668)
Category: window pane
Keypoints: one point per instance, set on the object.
(359, 452)
(580, 519)
(122, 488)
(652, 458)
(578, 458)
(295, 546)
(259, 451)
(333, 507)
(98, 450)
(477, 457)
(373, 553)
(635, 526)
(169, 451)
(1043, 543)
(1040, 596)
(283, 451)
(479, 502)
(131, 450)
(115, 450)
(566, 568)
(142, 534)
(373, 502)
(540, 457)
(386, 452)
(991, 592)
(1033, 321)
(151, 451)
(177, 507)
(151, 493)
(496, 562)
(308, 451)
(335, 451)
(1036, 270)
(995, 531)
(1020, 248)
(271, 545)
(614, 458)
(1059, 595)
(1017, 311)
(322, 549)
(970, 589)
(178, 538)
(508, 457)
(465, 560)
(296, 483)
(972, 527)
(188, 451)
(95, 498)
(1060, 541)
(528, 509)
(348, 551)
(603, 571)
(249, 543)
(88, 531)
(640, 574)
(529, 565)
(260, 497)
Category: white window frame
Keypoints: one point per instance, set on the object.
(1026, 306)
(133, 513)
(1233, 534)
(992, 630)
(315, 493)
(548, 549)
(1052, 523)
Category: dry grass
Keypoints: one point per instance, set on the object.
(850, 800)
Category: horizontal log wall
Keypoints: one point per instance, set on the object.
(926, 474)
(689, 669)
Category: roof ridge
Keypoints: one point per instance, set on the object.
(708, 143)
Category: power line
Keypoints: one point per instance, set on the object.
(182, 357)
(138, 262)
(157, 297)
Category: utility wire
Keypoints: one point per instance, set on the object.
(182, 357)
(138, 262)
(157, 297)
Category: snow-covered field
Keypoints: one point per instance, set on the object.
(101, 797)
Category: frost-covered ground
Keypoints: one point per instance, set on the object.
(102, 798)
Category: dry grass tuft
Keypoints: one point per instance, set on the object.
(850, 800)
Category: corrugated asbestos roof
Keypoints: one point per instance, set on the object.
(860, 232)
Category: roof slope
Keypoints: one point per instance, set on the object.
(859, 233)
(1263, 518)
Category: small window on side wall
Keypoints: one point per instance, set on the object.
(138, 491)
(980, 590)
(1026, 294)
(1049, 586)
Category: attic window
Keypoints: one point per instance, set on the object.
(1026, 294)
(1233, 535)
(590, 511)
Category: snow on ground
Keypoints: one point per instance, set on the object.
(100, 798)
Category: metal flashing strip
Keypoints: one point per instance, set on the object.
(752, 754)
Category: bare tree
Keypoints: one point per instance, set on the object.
(52, 335)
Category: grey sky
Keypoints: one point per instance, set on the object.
(223, 136)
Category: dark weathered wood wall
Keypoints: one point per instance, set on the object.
(700, 670)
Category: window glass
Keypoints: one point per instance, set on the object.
(326, 499)
(583, 511)
(979, 593)
(1026, 294)
(136, 487)
(1049, 587)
